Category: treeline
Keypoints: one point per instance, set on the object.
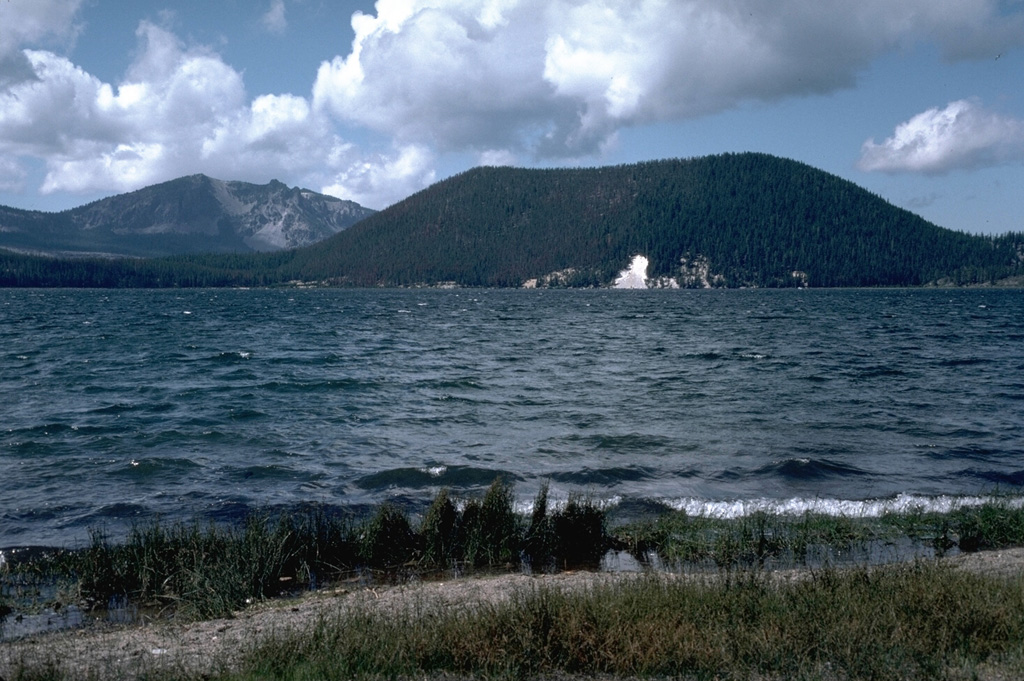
(186, 271)
(755, 219)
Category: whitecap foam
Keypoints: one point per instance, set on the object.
(558, 501)
(867, 508)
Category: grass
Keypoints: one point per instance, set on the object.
(764, 539)
(731, 620)
(200, 572)
(905, 622)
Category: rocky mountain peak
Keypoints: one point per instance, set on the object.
(192, 214)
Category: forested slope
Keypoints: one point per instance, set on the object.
(736, 219)
(756, 219)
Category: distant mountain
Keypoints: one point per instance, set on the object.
(724, 221)
(195, 214)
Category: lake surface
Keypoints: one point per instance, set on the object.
(121, 406)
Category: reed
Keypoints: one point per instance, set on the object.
(990, 526)
(814, 539)
(921, 620)
(197, 571)
(200, 571)
(489, 530)
(439, 532)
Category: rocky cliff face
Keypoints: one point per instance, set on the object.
(195, 214)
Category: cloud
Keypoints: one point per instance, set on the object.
(25, 23)
(274, 20)
(12, 175)
(181, 110)
(558, 78)
(377, 182)
(495, 80)
(963, 135)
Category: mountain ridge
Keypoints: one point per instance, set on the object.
(729, 220)
(191, 214)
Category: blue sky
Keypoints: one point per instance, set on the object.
(919, 101)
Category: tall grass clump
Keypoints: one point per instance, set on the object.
(540, 542)
(323, 545)
(988, 526)
(202, 572)
(388, 540)
(207, 571)
(760, 539)
(573, 536)
(490, 532)
(580, 533)
(439, 532)
(766, 539)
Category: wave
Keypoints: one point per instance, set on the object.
(799, 469)
(809, 469)
(155, 468)
(867, 508)
(633, 442)
(231, 357)
(432, 476)
(324, 385)
(878, 371)
(55, 429)
(606, 476)
(963, 361)
(273, 472)
(1007, 478)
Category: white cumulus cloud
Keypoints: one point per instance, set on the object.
(180, 110)
(495, 80)
(962, 135)
(377, 181)
(27, 23)
(24, 23)
(558, 78)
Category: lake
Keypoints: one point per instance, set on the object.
(121, 406)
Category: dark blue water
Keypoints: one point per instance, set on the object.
(120, 406)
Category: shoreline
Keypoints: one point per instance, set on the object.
(217, 645)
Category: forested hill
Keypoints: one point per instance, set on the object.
(728, 220)
(732, 220)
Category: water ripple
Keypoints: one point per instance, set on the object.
(124, 405)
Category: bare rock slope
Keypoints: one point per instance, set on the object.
(194, 214)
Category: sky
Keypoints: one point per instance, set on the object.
(918, 101)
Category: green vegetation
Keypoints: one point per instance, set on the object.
(814, 539)
(920, 620)
(198, 572)
(911, 622)
(754, 219)
(201, 572)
